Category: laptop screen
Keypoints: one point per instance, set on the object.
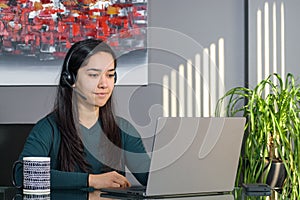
(194, 154)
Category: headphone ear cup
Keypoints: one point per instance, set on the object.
(67, 79)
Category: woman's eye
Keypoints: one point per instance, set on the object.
(111, 75)
(93, 75)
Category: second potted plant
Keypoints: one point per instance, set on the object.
(272, 131)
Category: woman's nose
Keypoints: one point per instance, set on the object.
(102, 81)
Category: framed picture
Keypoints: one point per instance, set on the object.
(36, 34)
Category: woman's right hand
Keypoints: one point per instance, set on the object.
(109, 179)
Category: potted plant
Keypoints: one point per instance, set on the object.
(272, 130)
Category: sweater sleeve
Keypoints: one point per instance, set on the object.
(43, 139)
(68, 180)
(136, 158)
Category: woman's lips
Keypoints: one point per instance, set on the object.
(101, 94)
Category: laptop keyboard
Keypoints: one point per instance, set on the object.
(138, 188)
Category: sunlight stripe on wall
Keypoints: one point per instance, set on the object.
(270, 50)
(196, 86)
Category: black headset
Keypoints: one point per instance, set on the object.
(68, 78)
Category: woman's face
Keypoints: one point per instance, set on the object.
(95, 80)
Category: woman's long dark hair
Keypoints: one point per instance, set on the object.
(71, 153)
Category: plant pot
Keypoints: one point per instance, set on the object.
(276, 175)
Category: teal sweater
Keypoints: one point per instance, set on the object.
(44, 140)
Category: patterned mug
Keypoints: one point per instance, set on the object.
(36, 175)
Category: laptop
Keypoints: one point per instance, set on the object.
(191, 156)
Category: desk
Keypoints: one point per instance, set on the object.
(9, 193)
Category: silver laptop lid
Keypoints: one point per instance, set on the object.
(195, 155)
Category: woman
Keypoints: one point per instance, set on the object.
(88, 145)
